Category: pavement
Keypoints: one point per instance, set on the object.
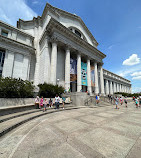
(86, 132)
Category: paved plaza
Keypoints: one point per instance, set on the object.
(86, 132)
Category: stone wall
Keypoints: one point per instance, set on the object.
(7, 102)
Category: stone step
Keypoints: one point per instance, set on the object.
(10, 124)
(14, 109)
(17, 114)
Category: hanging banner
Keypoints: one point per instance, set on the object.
(73, 70)
(92, 76)
(84, 74)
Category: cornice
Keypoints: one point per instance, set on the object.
(11, 41)
(116, 75)
(14, 28)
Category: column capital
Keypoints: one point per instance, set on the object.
(67, 47)
(54, 40)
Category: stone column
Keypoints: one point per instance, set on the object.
(117, 87)
(114, 87)
(107, 87)
(53, 63)
(120, 88)
(111, 88)
(46, 63)
(89, 76)
(79, 87)
(96, 78)
(67, 70)
(101, 80)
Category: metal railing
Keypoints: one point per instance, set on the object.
(92, 99)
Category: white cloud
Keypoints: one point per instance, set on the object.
(132, 60)
(136, 78)
(136, 73)
(35, 2)
(11, 11)
(111, 46)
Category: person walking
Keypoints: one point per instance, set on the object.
(45, 105)
(37, 102)
(125, 101)
(116, 102)
(97, 99)
(41, 102)
(57, 101)
(136, 102)
(121, 100)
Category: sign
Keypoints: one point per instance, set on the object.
(73, 70)
(84, 74)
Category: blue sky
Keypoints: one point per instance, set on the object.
(116, 25)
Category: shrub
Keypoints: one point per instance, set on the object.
(50, 90)
(15, 88)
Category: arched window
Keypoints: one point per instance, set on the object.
(77, 32)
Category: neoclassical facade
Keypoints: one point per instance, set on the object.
(57, 48)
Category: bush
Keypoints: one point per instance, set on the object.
(50, 90)
(15, 88)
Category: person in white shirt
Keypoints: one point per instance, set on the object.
(57, 101)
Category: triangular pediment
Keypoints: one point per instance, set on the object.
(67, 17)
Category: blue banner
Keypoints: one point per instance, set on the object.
(84, 74)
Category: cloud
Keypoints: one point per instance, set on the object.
(136, 78)
(11, 11)
(35, 2)
(111, 46)
(132, 60)
(136, 73)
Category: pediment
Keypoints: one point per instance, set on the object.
(70, 20)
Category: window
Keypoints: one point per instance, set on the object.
(2, 57)
(78, 33)
(4, 33)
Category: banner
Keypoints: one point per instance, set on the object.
(73, 70)
(84, 74)
(92, 76)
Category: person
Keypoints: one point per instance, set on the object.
(41, 102)
(97, 99)
(57, 101)
(45, 105)
(37, 102)
(63, 101)
(121, 101)
(116, 102)
(125, 101)
(50, 103)
(139, 101)
(136, 102)
(111, 99)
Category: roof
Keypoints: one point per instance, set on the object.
(16, 29)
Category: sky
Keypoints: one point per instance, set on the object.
(116, 25)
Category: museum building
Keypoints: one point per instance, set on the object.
(57, 48)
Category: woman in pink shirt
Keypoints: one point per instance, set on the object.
(41, 102)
